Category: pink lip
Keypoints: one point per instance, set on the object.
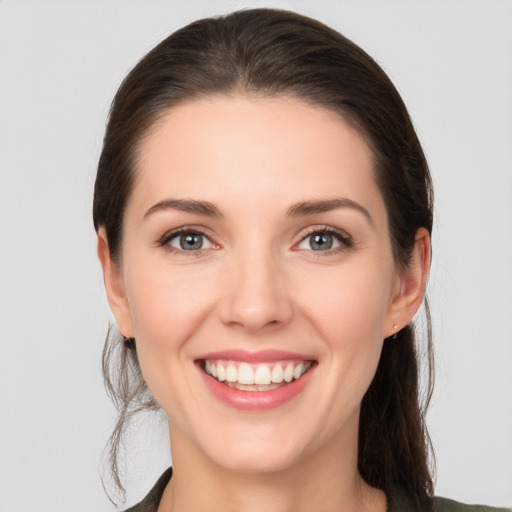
(255, 400)
(263, 356)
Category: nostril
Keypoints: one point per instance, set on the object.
(253, 297)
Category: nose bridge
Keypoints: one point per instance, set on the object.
(257, 296)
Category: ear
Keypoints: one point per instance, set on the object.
(114, 286)
(411, 285)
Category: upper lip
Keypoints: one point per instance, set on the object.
(262, 356)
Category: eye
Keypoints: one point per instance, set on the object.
(323, 240)
(186, 241)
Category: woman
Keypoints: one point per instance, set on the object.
(264, 211)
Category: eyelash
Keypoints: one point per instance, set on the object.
(345, 240)
(166, 239)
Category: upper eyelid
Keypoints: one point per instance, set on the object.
(324, 229)
(346, 241)
(165, 241)
(168, 235)
(302, 235)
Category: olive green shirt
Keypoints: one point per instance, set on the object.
(396, 501)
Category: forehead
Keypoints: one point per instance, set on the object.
(249, 148)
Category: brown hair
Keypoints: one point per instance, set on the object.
(273, 52)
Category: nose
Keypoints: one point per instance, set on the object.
(256, 297)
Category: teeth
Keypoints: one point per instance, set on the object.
(298, 371)
(288, 373)
(221, 373)
(255, 377)
(245, 374)
(262, 375)
(231, 373)
(277, 374)
(254, 387)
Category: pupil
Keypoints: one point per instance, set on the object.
(191, 241)
(321, 242)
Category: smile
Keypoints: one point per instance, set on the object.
(256, 381)
(256, 377)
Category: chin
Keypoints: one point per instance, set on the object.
(257, 463)
(258, 452)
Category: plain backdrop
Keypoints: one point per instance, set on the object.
(60, 65)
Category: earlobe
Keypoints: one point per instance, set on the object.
(114, 285)
(412, 283)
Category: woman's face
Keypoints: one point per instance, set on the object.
(256, 248)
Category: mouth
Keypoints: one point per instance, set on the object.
(256, 381)
(255, 377)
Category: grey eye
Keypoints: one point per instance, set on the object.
(190, 242)
(320, 241)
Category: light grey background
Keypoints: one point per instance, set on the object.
(60, 64)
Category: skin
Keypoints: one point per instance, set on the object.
(258, 284)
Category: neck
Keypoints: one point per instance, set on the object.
(326, 480)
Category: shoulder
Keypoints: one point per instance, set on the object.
(400, 501)
(151, 501)
(446, 505)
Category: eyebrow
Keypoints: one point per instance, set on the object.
(186, 205)
(312, 207)
(301, 209)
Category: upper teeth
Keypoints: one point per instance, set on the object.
(260, 374)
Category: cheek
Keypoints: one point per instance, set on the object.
(348, 310)
(166, 307)
(167, 304)
(350, 303)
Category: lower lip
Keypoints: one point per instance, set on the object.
(256, 400)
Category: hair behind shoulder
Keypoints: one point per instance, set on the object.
(273, 52)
